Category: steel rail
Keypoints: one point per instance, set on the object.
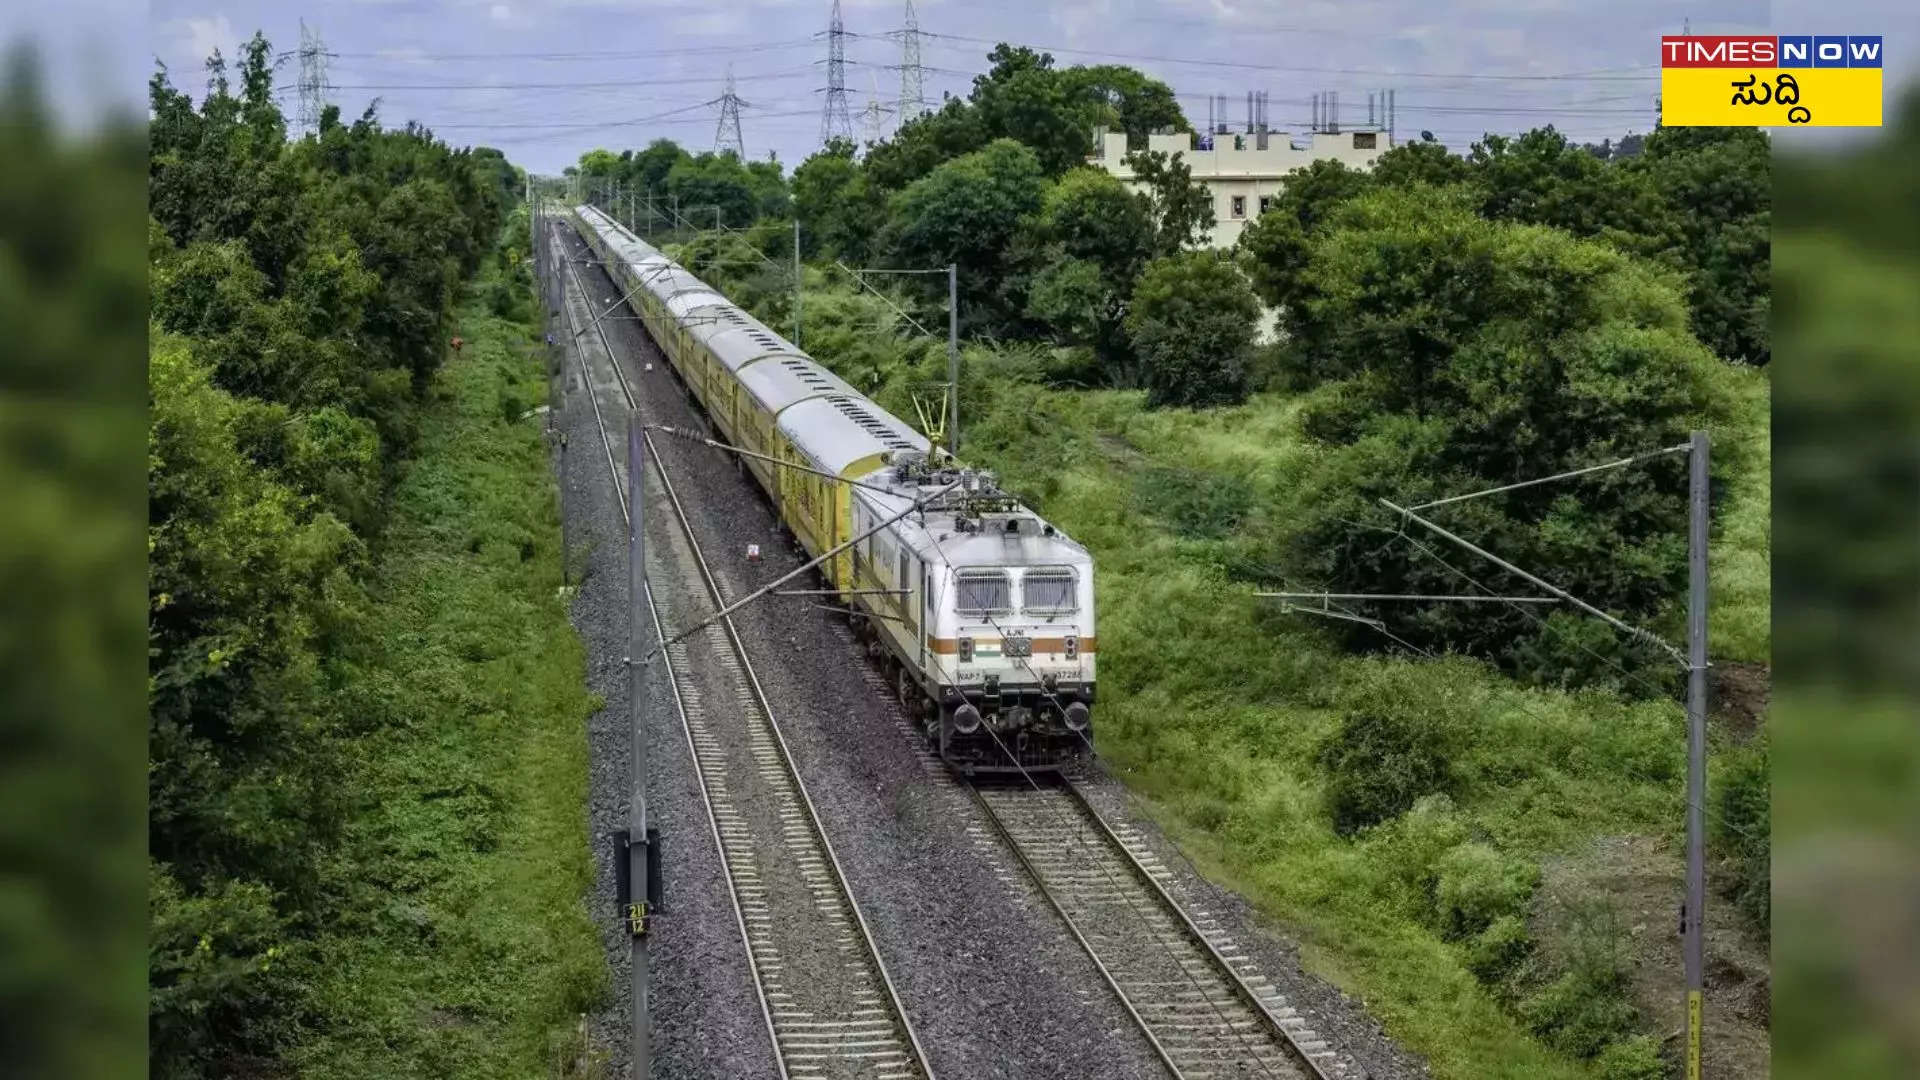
(1236, 983)
(686, 728)
(919, 1053)
(1240, 984)
(793, 772)
(1033, 873)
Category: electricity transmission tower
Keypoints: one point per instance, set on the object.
(313, 78)
(834, 121)
(727, 135)
(913, 94)
(873, 118)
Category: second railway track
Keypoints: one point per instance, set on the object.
(1203, 1017)
(831, 1009)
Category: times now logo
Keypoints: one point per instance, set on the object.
(1784, 51)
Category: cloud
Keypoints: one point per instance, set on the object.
(721, 21)
(199, 36)
(412, 54)
(500, 12)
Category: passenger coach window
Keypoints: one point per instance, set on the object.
(1047, 591)
(982, 592)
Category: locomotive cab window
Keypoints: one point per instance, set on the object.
(1048, 591)
(982, 592)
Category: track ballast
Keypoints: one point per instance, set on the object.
(1203, 1017)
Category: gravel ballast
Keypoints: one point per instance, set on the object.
(991, 981)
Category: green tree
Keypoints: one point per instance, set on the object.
(1718, 182)
(647, 170)
(1540, 178)
(1096, 237)
(1180, 209)
(1122, 98)
(970, 212)
(1419, 163)
(1191, 321)
(838, 207)
(709, 180)
(925, 143)
(1470, 354)
(1278, 242)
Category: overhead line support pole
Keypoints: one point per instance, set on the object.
(1695, 925)
(953, 360)
(797, 281)
(636, 913)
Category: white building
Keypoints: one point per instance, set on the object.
(1243, 171)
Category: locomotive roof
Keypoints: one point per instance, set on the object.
(935, 537)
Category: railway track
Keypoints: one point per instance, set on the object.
(1202, 1015)
(830, 1007)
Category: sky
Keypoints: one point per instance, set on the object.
(547, 81)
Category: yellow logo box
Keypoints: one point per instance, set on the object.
(1770, 97)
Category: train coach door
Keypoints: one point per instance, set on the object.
(926, 611)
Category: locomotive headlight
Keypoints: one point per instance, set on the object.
(966, 650)
(1072, 647)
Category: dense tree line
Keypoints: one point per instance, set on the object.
(1462, 320)
(300, 301)
(742, 191)
(1695, 200)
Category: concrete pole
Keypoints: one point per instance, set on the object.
(1694, 945)
(637, 699)
(797, 279)
(953, 360)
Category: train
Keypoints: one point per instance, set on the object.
(979, 612)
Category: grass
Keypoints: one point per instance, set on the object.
(1740, 569)
(470, 951)
(1214, 704)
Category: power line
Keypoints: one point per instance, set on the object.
(597, 84)
(1598, 76)
(401, 56)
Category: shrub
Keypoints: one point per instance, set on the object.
(1380, 761)
(1206, 505)
(1633, 1058)
(1745, 830)
(1476, 885)
(1585, 1007)
(1497, 951)
(1191, 322)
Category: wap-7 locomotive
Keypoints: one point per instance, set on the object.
(980, 612)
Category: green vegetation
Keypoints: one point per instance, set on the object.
(1393, 808)
(72, 293)
(366, 763)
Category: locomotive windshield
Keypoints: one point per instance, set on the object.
(982, 592)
